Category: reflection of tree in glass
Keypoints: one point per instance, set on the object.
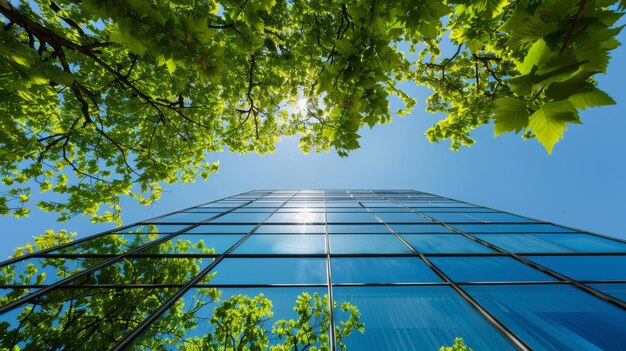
(89, 315)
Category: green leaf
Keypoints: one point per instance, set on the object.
(510, 115)
(491, 8)
(590, 96)
(549, 122)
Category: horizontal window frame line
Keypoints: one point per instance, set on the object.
(90, 270)
(516, 341)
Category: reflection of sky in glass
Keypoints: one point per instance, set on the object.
(302, 216)
(270, 271)
(282, 244)
(289, 229)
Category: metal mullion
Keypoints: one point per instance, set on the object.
(329, 280)
(90, 270)
(596, 293)
(130, 337)
(517, 342)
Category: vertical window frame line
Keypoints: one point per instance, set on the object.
(587, 289)
(30, 297)
(516, 341)
(154, 316)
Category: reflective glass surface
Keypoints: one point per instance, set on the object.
(366, 243)
(416, 318)
(299, 270)
(381, 270)
(585, 267)
(488, 269)
(195, 244)
(444, 243)
(617, 290)
(283, 244)
(554, 317)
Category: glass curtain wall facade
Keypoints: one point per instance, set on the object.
(421, 269)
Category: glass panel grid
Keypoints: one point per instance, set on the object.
(405, 249)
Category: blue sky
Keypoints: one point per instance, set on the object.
(581, 184)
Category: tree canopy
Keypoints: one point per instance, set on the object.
(105, 98)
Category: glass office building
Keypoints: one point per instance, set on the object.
(421, 270)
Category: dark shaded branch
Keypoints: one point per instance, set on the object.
(572, 30)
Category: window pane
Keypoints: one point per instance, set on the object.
(221, 229)
(496, 217)
(585, 267)
(444, 243)
(616, 290)
(44, 270)
(366, 243)
(79, 319)
(241, 217)
(347, 217)
(185, 217)
(488, 269)
(554, 317)
(8, 295)
(195, 244)
(583, 242)
(147, 270)
(270, 271)
(521, 243)
(114, 244)
(202, 302)
(297, 217)
(381, 270)
(452, 217)
(403, 218)
(511, 228)
(282, 244)
(420, 228)
(416, 318)
(358, 229)
(289, 229)
(153, 228)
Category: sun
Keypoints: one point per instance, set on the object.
(301, 105)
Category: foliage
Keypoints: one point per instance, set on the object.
(92, 315)
(459, 345)
(104, 98)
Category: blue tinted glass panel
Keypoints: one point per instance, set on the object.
(221, 229)
(511, 228)
(616, 290)
(297, 217)
(347, 217)
(241, 217)
(185, 217)
(366, 243)
(289, 229)
(416, 318)
(8, 295)
(113, 244)
(147, 270)
(583, 242)
(282, 244)
(554, 317)
(356, 228)
(521, 243)
(403, 218)
(153, 228)
(196, 244)
(381, 270)
(420, 228)
(444, 243)
(270, 271)
(585, 267)
(498, 217)
(202, 302)
(452, 217)
(487, 269)
(39, 270)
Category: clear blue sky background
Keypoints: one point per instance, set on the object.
(582, 184)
